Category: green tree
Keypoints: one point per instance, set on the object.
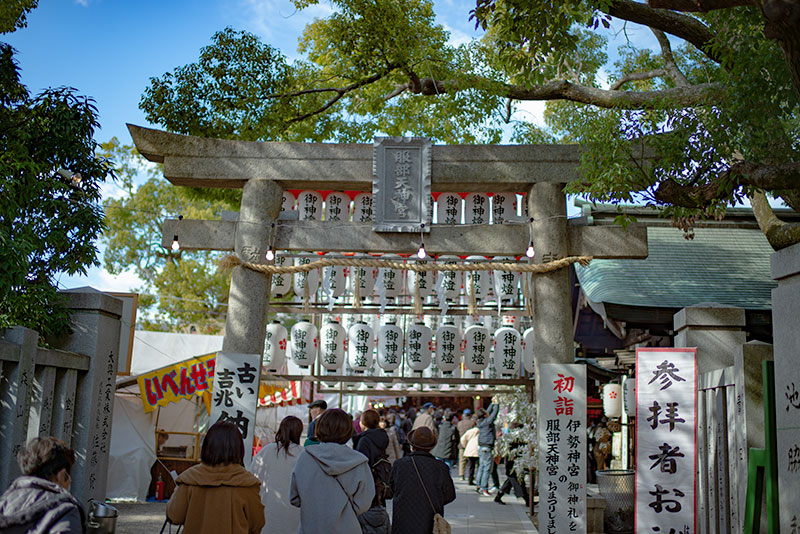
(50, 214)
(180, 287)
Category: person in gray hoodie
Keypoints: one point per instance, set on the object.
(331, 483)
(39, 502)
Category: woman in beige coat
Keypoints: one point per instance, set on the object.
(218, 496)
(469, 441)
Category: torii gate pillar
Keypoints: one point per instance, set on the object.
(248, 304)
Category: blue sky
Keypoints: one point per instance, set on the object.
(109, 49)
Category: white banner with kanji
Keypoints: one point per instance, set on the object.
(235, 394)
(666, 450)
(562, 448)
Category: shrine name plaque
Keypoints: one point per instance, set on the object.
(401, 184)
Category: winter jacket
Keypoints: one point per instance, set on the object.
(375, 521)
(464, 425)
(274, 469)
(487, 433)
(372, 443)
(322, 475)
(33, 505)
(411, 510)
(218, 499)
(447, 446)
(470, 442)
(394, 450)
(424, 419)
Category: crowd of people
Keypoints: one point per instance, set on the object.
(337, 481)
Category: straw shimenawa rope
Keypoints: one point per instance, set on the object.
(231, 261)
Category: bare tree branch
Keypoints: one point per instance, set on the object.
(780, 234)
(698, 5)
(670, 65)
(637, 76)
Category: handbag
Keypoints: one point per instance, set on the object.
(440, 524)
(170, 523)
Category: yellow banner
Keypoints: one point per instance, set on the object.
(179, 381)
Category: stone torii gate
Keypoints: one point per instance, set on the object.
(264, 170)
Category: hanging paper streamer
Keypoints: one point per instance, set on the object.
(337, 207)
(448, 347)
(288, 201)
(361, 340)
(504, 208)
(309, 204)
(275, 347)
(419, 346)
(476, 209)
(448, 209)
(507, 351)
(527, 351)
(331, 351)
(304, 343)
(390, 346)
(362, 281)
(362, 207)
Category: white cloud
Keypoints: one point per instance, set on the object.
(102, 280)
(84, 3)
(457, 37)
(530, 111)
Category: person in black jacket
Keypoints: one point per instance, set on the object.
(486, 438)
(373, 440)
(446, 448)
(421, 486)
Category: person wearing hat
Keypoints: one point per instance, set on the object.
(315, 409)
(421, 485)
(425, 417)
(465, 424)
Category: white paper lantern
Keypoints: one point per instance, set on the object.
(507, 351)
(301, 279)
(304, 343)
(504, 208)
(335, 277)
(426, 283)
(629, 395)
(527, 351)
(451, 280)
(331, 349)
(448, 348)
(282, 282)
(366, 277)
(448, 209)
(612, 400)
(361, 342)
(390, 346)
(288, 201)
(309, 204)
(419, 346)
(476, 209)
(275, 346)
(506, 283)
(392, 278)
(362, 207)
(337, 206)
(482, 279)
(476, 348)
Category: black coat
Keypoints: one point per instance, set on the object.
(447, 446)
(411, 510)
(372, 444)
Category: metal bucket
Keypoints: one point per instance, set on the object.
(617, 486)
(102, 518)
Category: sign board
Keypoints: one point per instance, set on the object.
(666, 461)
(182, 380)
(401, 184)
(235, 394)
(562, 448)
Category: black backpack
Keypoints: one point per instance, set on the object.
(381, 472)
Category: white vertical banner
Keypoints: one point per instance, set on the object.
(235, 394)
(562, 448)
(666, 445)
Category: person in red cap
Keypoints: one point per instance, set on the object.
(421, 485)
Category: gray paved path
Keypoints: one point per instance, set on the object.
(468, 514)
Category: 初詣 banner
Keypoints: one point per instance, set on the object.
(666, 447)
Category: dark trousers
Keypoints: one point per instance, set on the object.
(472, 461)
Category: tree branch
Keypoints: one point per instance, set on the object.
(687, 28)
(780, 234)
(637, 76)
(698, 5)
(670, 65)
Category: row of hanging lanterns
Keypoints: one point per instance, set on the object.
(450, 207)
(389, 282)
(331, 345)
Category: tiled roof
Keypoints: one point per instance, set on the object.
(723, 265)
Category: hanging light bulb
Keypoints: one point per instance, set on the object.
(270, 254)
(421, 252)
(530, 252)
(175, 245)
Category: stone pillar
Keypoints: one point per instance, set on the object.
(716, 330)
(786, 342)
(552, 302)
(248, 304)
(95, 333)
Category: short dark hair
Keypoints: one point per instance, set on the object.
(370, 418)
(288, 432)
(45, 457)
(335, 426)
(223, 444)
(319, 403)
